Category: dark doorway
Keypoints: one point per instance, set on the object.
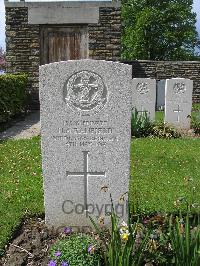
(61, 43)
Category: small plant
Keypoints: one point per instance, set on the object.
(75, 250)
(123, 245)
(161, 130)
(195, 118)
(195, 107)
(185, 233)
(185, 242)
(195, 123)
(141, 124)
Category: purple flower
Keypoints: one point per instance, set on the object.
(52, 263)
(57, 254)
(91, 249)
(68, 230)
(145, 221)
(64, 263)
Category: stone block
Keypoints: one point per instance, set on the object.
(86, 132)
(178, 102)
(144, 96)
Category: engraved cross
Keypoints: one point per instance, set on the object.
(178, 111)
(85, 174)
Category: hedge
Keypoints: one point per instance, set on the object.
(12, 95)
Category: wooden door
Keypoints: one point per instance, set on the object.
(63, 43)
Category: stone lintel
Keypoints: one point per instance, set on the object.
(63, 15)
(66, 12)
(63, 4)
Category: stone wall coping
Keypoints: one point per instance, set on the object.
(78, 4)
(163, 62)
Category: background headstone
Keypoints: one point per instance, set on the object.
(160, 94)
(144, 96)
(178, 102)
(85, 126)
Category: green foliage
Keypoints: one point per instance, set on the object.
(195, 107)
(12, 95)
(184, 231)
(196, 126)
(120, 245)
(76, 250)
(159, 30)
(156, 239)
(195, 121)
(163, 131)
(141, 125)
(185, 242)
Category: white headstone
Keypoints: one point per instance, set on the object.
(144, 96)
(85, 126)
(178, 102)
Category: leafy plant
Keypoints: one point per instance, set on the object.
(161, 130)
(195, 107)
(120, 245)
(185, 242)
(141, 124)
(159, 30)
(184, 232)
(12, 95)
(195, 123)
(75, 250)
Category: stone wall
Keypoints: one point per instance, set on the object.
(23, 40)
(169, 69)
(22, 48)
(105, 37)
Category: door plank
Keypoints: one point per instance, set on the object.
(63, 43)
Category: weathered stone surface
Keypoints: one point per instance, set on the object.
(85, 124)
(178, 102)
(63, 15)
(144, 96)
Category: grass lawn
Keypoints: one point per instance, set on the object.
(159, 116)
(158, 169)
(21, 183)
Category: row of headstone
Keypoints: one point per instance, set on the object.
(178, 99)
(86, 131)
(144, 96)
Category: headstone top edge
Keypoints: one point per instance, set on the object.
(143, 79)
(84, 60)
(174, 79)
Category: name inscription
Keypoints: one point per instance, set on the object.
(84, 133)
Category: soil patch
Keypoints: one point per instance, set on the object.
(31, 246)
